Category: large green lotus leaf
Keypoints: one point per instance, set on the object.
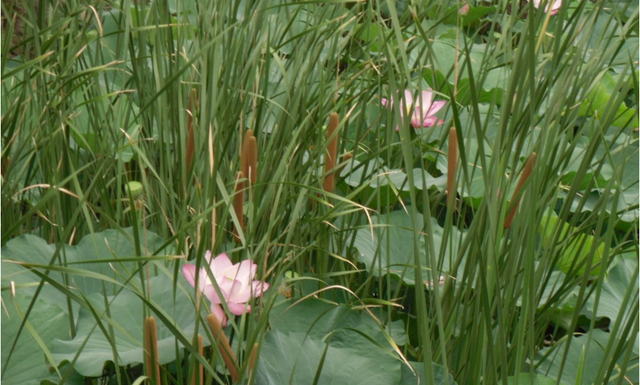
(618, 281)
(549, 360)
(89, 255)
(126, 311)
(27, 364)
(357, 348)
(385, 184)
(576, 246)
(391, 250)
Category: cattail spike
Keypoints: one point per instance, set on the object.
(244, 156)
(238, 206)
(515, 199)
(151, 349)
(452, 165)
(330, 156)
(252, 358)
(224, 347)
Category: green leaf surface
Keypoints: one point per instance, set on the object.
(126, 310)
(549, 360)
(391, 249)
(358, 350)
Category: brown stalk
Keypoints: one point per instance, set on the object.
(238, 205)
(224, 347)
(199, 370)
(452, 165)
(191, 140)
(151, 349)
(330, 156)
(528, 167)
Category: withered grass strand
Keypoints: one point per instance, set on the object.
(452, 165)
(528, 167)
(224, 347)
(199, 370)
(151, 349)
(330, 155)
(191, 140)
(253, 160)
(238, 206)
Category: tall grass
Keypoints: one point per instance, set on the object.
(101, 94)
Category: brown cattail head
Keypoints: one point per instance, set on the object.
(224, 347)
(244, 156)
(253, 160)
(252, 358)
(191, 140)
(238, 205)
(6, 162)
(330, 155)
(515, 199)
(452, 165)
(151, 349)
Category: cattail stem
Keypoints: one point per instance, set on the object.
(331, 153)
(198, 369)
(151, 350)
(452, 166)
(515, 199)
(224, 347)
(238, 206)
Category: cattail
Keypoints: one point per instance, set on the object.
(252, 358)
(223, 345)
(528, 167)
(199, 370)
(345, 158)
(244, 155)
(151, 349)
(330, 155)
(253, 160)
(238, 206)
(452, 165)
(191, 140)
(6, 162)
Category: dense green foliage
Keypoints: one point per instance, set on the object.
(123, 128)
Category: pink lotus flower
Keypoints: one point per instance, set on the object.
(464, 10)
(235, 282)
(422, 111)
(553, 6)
